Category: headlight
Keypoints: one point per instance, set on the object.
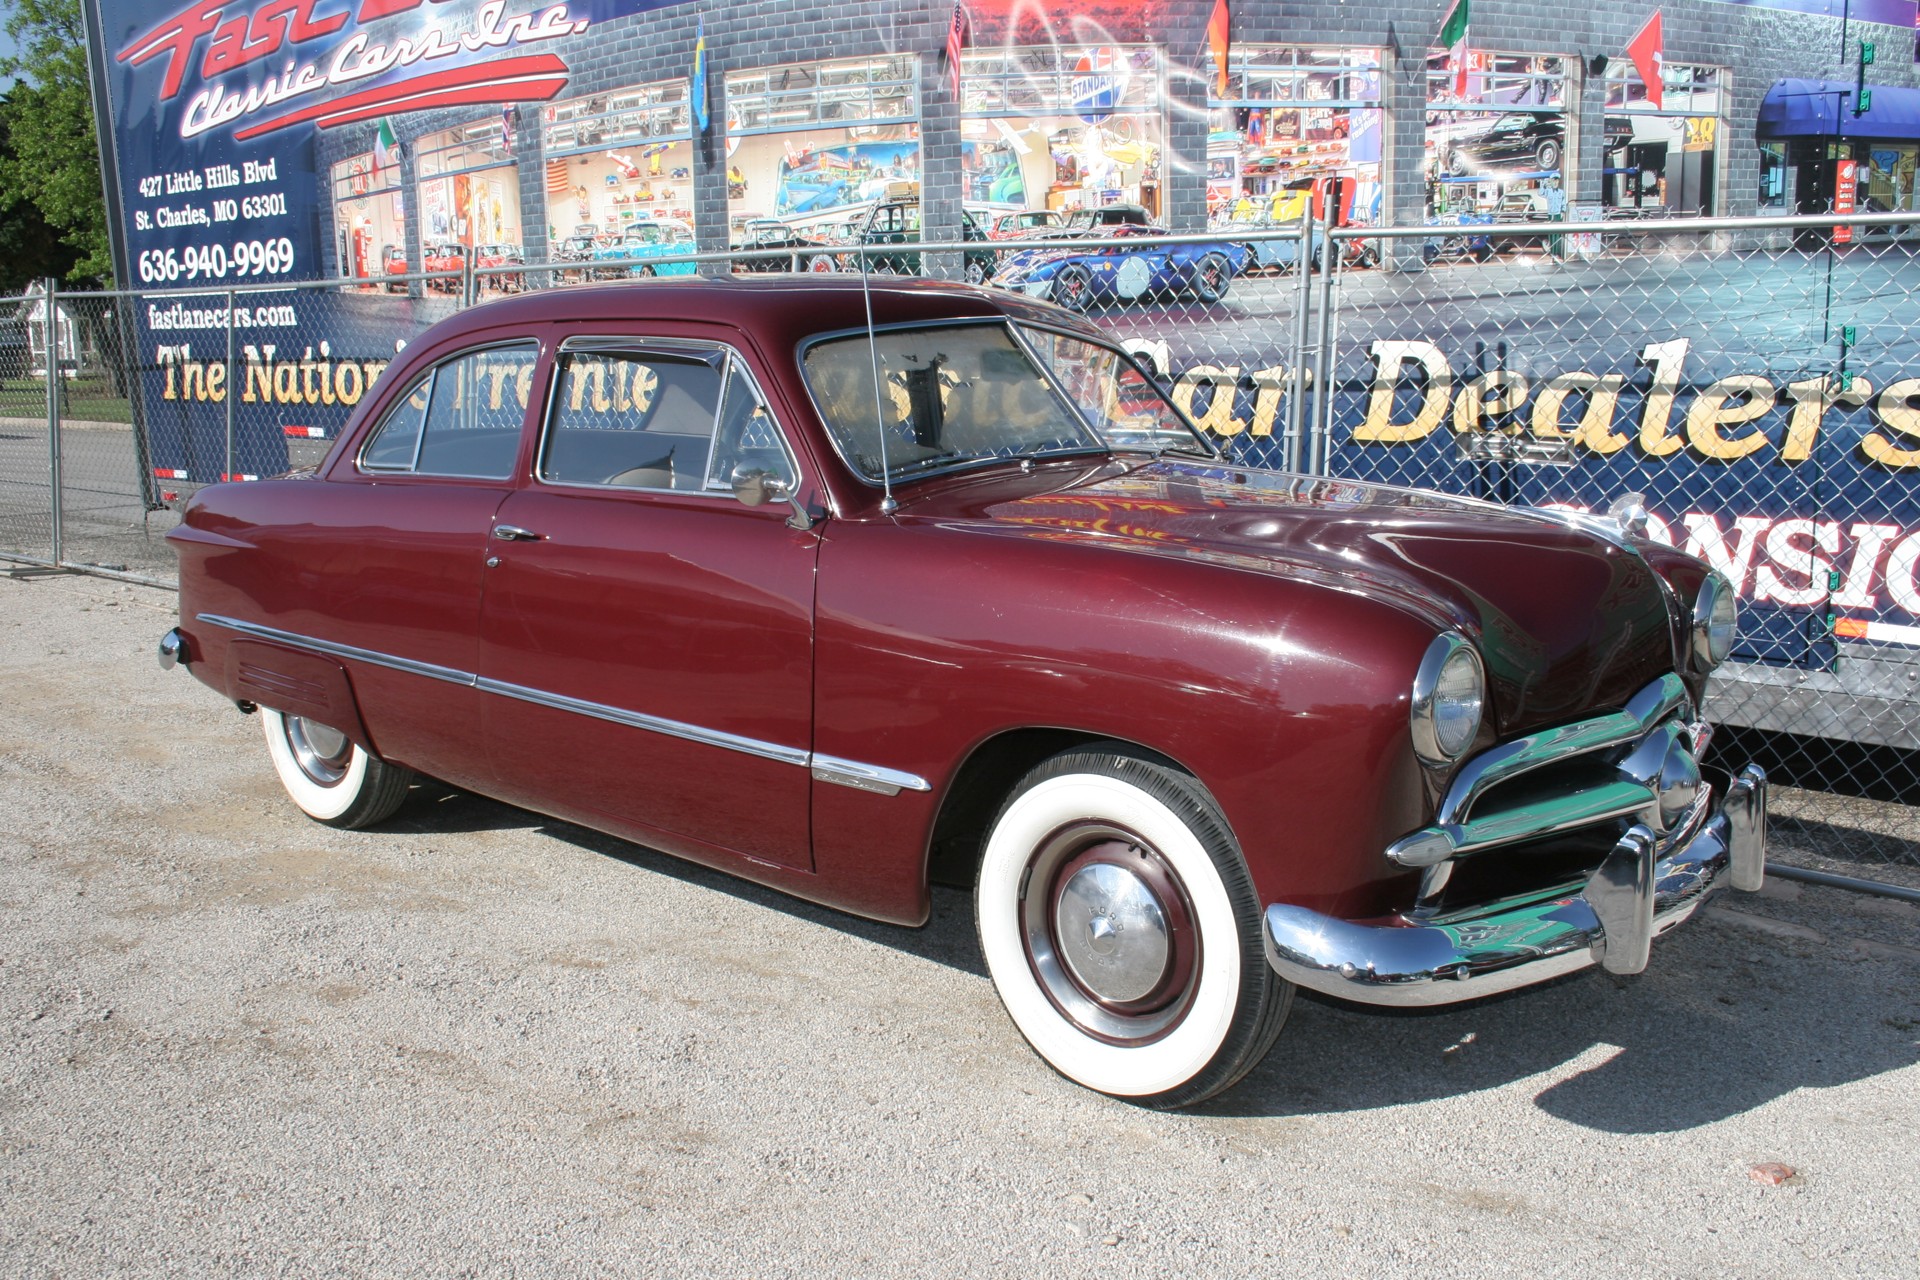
(1449, 696)
(1716, 614)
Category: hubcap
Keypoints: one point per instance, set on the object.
(322, 752)
(1109, 933)
(1112, 932)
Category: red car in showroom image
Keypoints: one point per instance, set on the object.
(853, 593)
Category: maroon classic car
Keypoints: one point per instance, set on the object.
(957, 595)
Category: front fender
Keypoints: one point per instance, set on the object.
(1286, 699)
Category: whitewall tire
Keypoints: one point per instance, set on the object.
(331, 778)
(1122, 931)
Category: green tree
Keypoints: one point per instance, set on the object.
(52, 158)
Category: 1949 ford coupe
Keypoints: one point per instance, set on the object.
(851, 591)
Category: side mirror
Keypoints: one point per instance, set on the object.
(756, 487)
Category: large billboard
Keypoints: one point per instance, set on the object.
(213, 115)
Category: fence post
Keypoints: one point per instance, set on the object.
(1302, 315)
(50, 327)
(466, 279)
(1323, 361)
(232, 388)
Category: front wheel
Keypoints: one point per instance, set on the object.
(1548, 156)
(1122, 931)
(1211, 278)
(976, 271)
(330, 777)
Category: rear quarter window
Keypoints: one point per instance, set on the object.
(463, 417)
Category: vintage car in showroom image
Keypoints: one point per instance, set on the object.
(853, 591)
(1105, 266)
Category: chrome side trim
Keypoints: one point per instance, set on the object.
(640, 720)
(1608, 921)
(430, 670)
(1510, 759)
(847, 773)
(866, 777)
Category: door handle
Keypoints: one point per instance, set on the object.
(514, 533)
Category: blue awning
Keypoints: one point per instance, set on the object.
(1824, 109)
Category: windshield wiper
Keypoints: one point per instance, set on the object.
(939, 460)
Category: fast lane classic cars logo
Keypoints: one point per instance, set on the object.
(318, 83)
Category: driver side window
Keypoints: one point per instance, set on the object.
(685, 419)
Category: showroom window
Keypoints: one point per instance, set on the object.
(617, 158)
(1297, 125)
(1062, 127)
(469, 191)
(816, 144)
(1663, 160)
(1504, 133)
(369, 218)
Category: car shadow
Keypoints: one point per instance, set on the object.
(946, 939)
(1717, 1026)
(1712, 1030)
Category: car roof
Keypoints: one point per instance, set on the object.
(781, 311)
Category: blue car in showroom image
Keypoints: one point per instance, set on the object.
(1104, 268)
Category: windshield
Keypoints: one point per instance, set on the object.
(962, 394)
(1121, 402)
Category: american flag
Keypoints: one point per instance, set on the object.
(957, 32)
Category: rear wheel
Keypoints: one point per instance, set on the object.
(1548, 155)
(331, 778)
(1073, 288)
(1122, 931)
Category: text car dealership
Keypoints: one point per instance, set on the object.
(362, 138)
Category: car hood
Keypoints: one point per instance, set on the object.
(1028, 262)
(1566, 620)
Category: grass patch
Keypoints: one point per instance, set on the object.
(89, 399)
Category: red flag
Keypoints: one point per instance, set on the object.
(957, 32)
(1219, 37)
(1646, 50)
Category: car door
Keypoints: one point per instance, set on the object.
(396, 570)
(648, 637)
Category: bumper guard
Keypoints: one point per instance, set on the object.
(1639, 892)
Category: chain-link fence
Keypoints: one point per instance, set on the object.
(1749, 389)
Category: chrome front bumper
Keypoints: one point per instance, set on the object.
(1641, 890)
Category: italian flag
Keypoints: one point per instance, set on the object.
(386, 148)
(1453, 38)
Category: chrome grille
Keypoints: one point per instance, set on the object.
(1627, 763)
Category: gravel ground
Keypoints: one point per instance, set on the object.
(478, 1042)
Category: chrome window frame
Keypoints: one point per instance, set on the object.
(432, 378)
(730, 359)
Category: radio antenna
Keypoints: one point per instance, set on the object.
(887, 505)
